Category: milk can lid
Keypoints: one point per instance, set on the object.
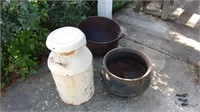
(65, 39)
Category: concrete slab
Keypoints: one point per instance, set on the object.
(170, 77)
(176, 40)
(175, 86)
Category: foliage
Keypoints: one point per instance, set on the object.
(67, 13)
(22, 37)
(117, 5)
(25, 26)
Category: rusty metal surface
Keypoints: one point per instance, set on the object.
(126, 78)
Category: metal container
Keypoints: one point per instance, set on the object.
(102, 34)
(70, 63)
(126, 72)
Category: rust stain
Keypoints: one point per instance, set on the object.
(71, 82)
(65, 65)
(68, 53)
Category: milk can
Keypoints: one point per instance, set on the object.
(70, 63)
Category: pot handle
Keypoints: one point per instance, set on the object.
(121, 36)
(103, 73)
(102, 70)
(141, 81)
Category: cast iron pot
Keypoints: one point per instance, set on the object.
(126, 72)
(102, 34)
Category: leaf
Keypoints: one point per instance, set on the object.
(23, 74)
(33, 72)
(32, 46)
(22, 22)
(2, 84)
(24, 6)
(8, 79)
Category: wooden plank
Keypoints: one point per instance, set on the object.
(166, 4)
(157, 13)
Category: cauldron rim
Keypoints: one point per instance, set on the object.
(120, 33)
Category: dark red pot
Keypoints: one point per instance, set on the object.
(102, 34)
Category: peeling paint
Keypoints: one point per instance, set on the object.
(71, 90)
(65, 65)
(68, 53)
(73, 75)
(51, 58)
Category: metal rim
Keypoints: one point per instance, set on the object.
(119, 35)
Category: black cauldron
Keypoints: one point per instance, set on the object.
(126, 72)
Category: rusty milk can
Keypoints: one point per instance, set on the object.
(70, 63)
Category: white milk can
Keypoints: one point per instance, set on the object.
(70, 63)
